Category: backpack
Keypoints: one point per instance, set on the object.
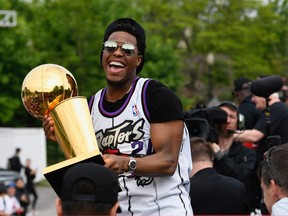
(14, 164)
(10, 163)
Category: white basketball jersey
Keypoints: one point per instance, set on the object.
(127, 132)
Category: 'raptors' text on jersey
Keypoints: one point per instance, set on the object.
(126, 131)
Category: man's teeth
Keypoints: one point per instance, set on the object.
(114, 63)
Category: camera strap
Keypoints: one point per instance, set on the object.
(267, 117)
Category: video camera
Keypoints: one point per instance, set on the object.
(203, 122)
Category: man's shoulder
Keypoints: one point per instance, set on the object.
(231, 181)
(9, 199)
(278, 110)
(157, 87)
(279, 105)
(247, 106)
(211, 175)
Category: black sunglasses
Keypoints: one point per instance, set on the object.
(112, 46)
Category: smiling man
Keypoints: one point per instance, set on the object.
(139, 126)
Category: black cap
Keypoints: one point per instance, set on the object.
(132, 27)
(238, 83)
(105, 183)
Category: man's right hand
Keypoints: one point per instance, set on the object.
(48, 125)
(215, 147)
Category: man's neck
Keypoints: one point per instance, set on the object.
(225, 142)
(116, 91)
(199, 165)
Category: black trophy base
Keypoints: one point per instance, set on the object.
(54, 173)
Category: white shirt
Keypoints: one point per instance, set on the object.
(280, 208)
(9, 204)
(2, 206)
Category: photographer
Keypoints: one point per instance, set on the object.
(232, 158)
(217, 126)
(277, 124)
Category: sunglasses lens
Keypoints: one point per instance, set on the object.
(110, 46)
(128, 49)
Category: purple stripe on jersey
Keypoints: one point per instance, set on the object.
(146, 111)
(111, 114)
(91, 102)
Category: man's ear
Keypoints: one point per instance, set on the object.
(58, 205)
(276, 190)
(113, 210)
(139, 60)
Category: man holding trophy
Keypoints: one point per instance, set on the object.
(139, 128)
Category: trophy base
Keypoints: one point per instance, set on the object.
(54, 173)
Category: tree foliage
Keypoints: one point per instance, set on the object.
(248, 38)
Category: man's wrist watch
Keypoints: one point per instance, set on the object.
(132, 164)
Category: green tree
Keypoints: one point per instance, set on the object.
(246, 37)
(16, 59)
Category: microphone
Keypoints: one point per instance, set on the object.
(266, 86)
(231, 132)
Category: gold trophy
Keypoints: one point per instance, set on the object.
(51, 89)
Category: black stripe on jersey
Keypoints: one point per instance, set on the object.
(181, 192)
(129, 197)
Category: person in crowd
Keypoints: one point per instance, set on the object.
(22, 194)
(246, 107)
(2, 201)
(283, 93)
(14, 163)
(88, 189)
(212, 193)
(233, 158)
(9, 203)
(139, 126)
(274, 180)
(30, 187)
(277, 124)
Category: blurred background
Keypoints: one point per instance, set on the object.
(196, 47)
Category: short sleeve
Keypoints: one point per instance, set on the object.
(163, 104)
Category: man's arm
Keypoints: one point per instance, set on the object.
(252, 135)
(166, 139)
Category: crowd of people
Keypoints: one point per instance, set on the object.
(140, 128)
(15, 195)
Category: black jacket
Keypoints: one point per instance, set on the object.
(215, 194)
(241, 163)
